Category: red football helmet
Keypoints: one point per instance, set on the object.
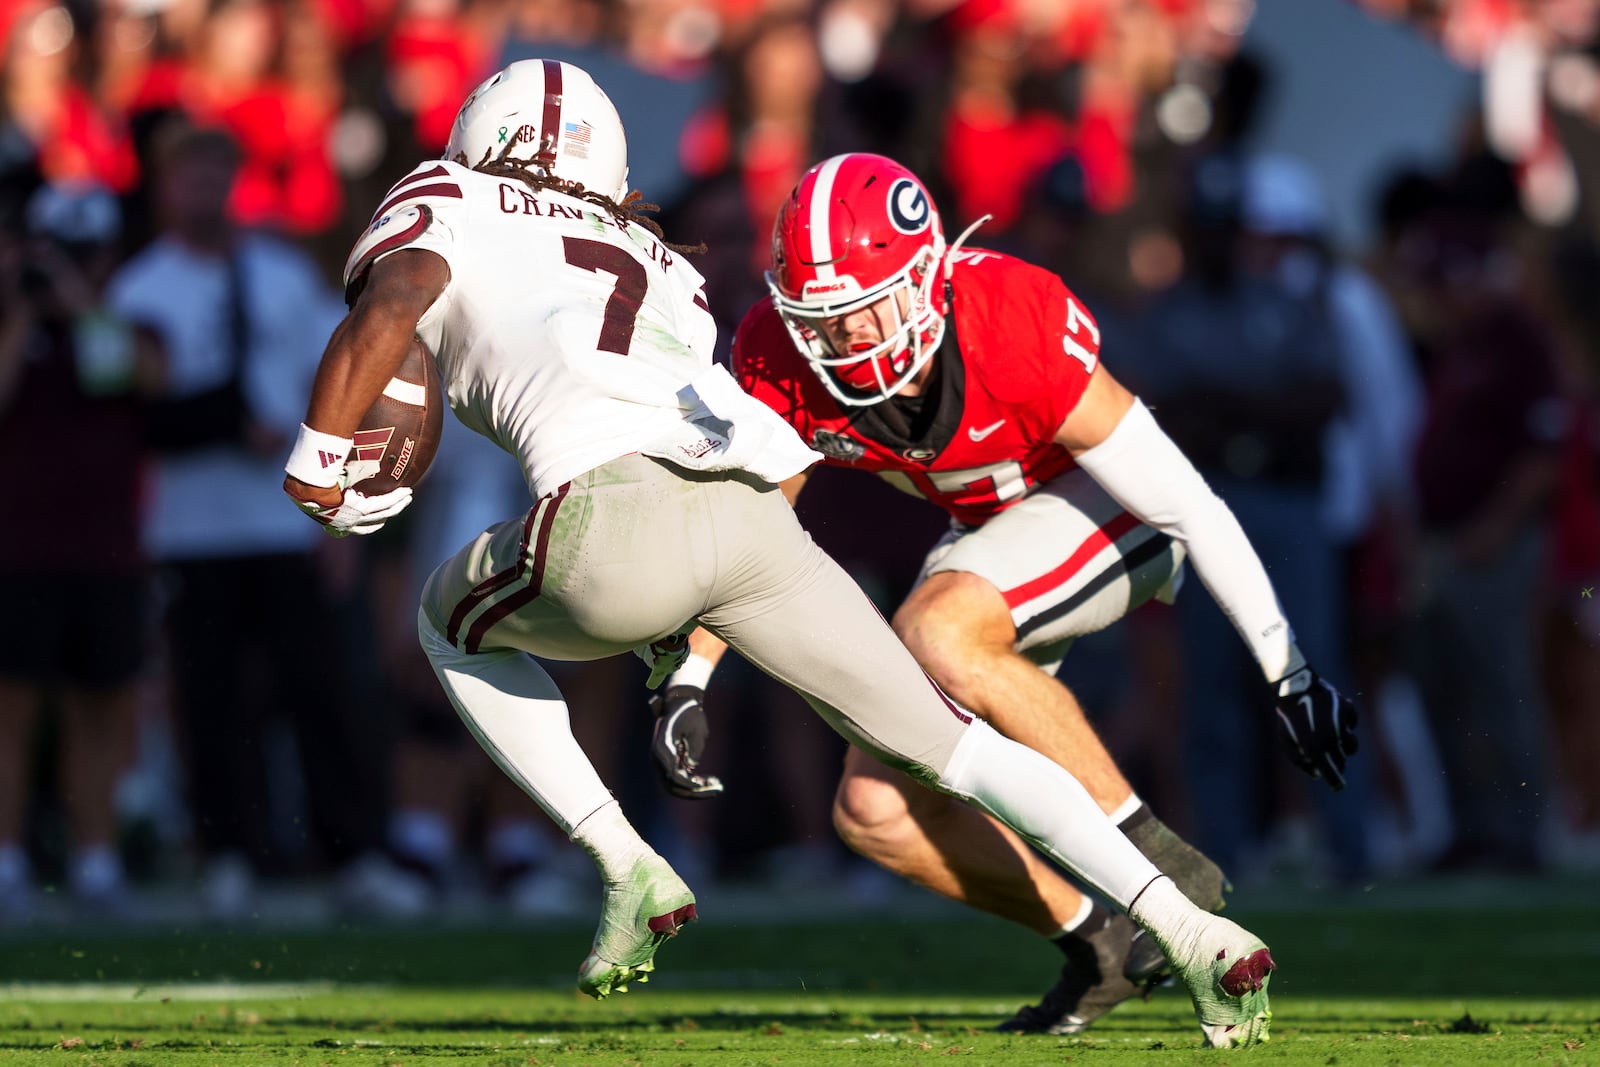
(858, 229)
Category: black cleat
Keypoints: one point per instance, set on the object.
(1093, 980)
(1146, 966)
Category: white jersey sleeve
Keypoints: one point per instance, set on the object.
(409, 217)
(566, 335)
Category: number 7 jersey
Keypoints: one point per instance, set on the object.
(1017, 355)
(562, 336)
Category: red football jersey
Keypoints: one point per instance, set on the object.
(1016, 357)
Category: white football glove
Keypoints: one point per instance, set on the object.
(319, 459)
(357, 513)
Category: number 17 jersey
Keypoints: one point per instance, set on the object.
(1017, 354)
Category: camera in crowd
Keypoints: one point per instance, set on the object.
(69, 233)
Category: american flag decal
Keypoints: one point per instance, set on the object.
(579, 136)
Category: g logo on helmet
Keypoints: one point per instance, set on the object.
(908, 206)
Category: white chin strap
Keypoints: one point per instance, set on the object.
(950, 253)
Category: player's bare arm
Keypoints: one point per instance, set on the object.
(1098, 412)
(791, 487)
(366, 350)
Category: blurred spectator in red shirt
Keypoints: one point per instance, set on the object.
(1031, 82)
(995, 145)
(777, 114)
(438, 50)
(267, 73)
(762, 131)
(44, 101)
(313, 90)
(286, 178)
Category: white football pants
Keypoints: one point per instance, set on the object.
(633, 550)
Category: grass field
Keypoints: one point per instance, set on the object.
(1466, 976)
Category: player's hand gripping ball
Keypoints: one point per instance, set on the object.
(399, 435)
(393, 447)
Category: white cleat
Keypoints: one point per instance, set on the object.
(640, 910)
(1226, 969)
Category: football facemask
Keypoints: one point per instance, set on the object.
(866, 372)
(860, 230)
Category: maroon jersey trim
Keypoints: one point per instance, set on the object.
(445, 189)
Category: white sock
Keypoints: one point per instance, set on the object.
(611, 840)
(1165, 911)
(517, 714)
(1126, 808)
(1043, 802)
(1085, 909)
(696, 671)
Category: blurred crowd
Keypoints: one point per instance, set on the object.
(198, 690)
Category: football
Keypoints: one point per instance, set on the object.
(399, 434)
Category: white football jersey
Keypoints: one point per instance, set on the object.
(567, 339)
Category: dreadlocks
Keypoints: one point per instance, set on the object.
(631, 210)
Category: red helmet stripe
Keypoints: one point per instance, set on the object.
(550, 123)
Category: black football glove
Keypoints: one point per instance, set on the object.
(1318, 725)
(679, 741)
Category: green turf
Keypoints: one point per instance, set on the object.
(364, 1026)
(1390, 982)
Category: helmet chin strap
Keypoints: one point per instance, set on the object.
(955, 245)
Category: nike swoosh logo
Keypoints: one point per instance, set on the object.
(978, 435)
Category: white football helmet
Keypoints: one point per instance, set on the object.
(550, 115)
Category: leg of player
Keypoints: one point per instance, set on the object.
(513, 708)
(900, 825)
(964, 855)
(813, 629)
(960, 853)
(959, 627)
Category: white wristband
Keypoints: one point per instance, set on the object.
(695, 671)
(317, 458)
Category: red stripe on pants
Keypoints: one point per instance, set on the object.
(1074, 563)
